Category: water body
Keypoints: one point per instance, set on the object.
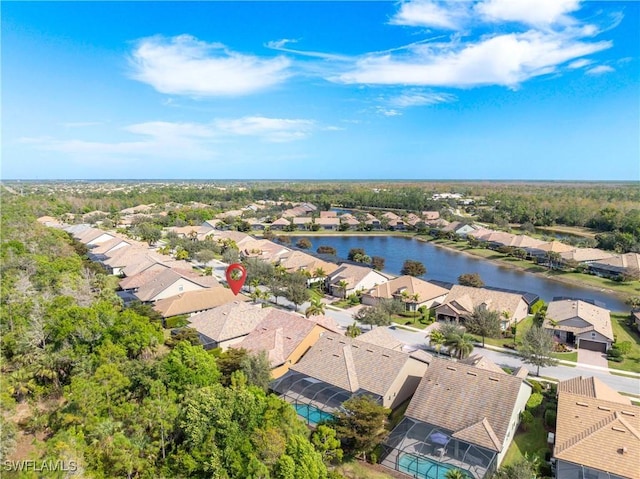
(446, 265)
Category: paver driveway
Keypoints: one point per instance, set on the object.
(592, 358)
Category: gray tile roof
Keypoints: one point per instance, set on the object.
(351, 364)
(474, 404)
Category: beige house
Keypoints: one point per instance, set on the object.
(193, 302)
(297, 261)
(285, 337)
(226, 325)
(337, 368)
(356, 278)
(597, 432)
(581, 324)
(414, 292)
(461, 416)
(172, 283)
(462, 301)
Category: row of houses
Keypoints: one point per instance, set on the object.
(461, 414)
(597, 261)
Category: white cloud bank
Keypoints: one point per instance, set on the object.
(184, 65)
(599, 70)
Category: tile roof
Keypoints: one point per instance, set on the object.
(352, 365)
(481, 362)
(624, 261)
(229, 321)
(598, 318)
(152, 288)
(411, 285)
(586, 254)
(598, 434)
(200, 300)
(474, 404)
(352, 274)
(381, 337)
(591, 387)
(279, 334)
(469, 298)
(555, 246)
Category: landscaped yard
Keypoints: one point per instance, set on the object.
(360, 470)
(623, 332)
(532, 441)
(570, 356)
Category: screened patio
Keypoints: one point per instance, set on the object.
(314, 400)
(427, 452)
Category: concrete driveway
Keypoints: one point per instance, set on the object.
(592, 358)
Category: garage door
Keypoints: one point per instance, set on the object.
(593, 346)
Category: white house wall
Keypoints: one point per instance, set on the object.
(179, 287)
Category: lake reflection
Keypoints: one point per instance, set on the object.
(446, 265)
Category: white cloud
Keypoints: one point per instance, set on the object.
(428, 13)
(600, 69)
(388, 111)
(183, 65)
(413, 98)
(507, 60)
(582, 62)
(531, 12)
(269, 129)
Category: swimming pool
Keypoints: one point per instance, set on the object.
(312, 414)
(422, 467)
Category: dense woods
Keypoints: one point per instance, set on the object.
(92, 384)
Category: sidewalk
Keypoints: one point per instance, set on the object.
(560, 361)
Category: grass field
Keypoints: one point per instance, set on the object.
(533, 441)
(623, 332)
(361, 470)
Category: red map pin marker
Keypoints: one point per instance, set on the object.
(236, 276)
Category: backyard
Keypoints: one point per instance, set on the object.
(623, 332)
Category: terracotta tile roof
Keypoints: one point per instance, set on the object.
(431, 215)
(524, 241)
(591, 387)
(351, 364)
(425, 290)
(381, 337)
(598, 319)
(143, 277)
(352, 274)
(104, 248)
(279, 334)
(598, 434)
(555, 246)
(625, 261)
(472, 403)
(299, 261)
(192, 301)
(228, 321)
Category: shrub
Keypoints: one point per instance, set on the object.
(614, 353)
(526, 418)
(534, 402)
(537, 387)
(176, 322)
(624, 347)
(550, 418)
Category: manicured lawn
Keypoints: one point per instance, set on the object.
(532, 441)
(315, 294)
(631, 288)
(572, 356)
(408, 322)
(623, 332)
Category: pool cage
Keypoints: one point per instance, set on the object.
(428, 452)
(314, 400)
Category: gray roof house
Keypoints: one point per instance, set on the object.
(580, 323)
(461, 417)
(337, 368)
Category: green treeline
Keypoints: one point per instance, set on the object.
(100, 390)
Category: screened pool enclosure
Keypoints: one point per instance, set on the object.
(427, 452)
(314, 400)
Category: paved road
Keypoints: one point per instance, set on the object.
(417, 340)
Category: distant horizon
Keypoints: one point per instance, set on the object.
(492, 89)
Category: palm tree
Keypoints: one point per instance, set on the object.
(353, 330)
(455, 474)
(460, 345)
(436, 339)
(316, 308)
(343, 284)
(415, 298)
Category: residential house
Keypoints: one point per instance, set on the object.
(355, 278)
(331, 223)
(302, 223)
(460, 417)
(580, 323)
(227, 325)
(350, 220)
(383, 338)
(298, 261)
(372, 222)
(280, 224)
(430, 216)
(585, 255)
(337, 368)
(542, 251)
(102, 251)
(414, 292)
(461, 302)
(597, 432)
(171, 283)
(285, 337)
(636, 318)
(328, 214)
(617, 266)
(193, 302)
(460, 228)
(94, 236)
(413, 219)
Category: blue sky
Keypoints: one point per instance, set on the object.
(489, 89)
